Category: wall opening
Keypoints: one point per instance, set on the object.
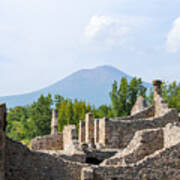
(92, 160)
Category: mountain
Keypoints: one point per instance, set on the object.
(91, 85)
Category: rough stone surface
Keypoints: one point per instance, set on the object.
(2, 140)
(49, 142)
(23, 164)
(82, 132)
(143, 146)
(144, 143)
(89, 126)
(139, 106)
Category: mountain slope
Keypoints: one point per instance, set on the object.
(91, 85)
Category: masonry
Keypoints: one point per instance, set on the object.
(144, 145)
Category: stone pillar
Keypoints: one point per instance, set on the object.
(82, 132)
(2, 140)
(96, 131)
(69, 138)
(157, 87)
(89, 126)
(103, 131)
(54, 123)
(160, 105)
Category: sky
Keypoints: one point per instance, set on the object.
(43, 41)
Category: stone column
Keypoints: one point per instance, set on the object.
(157, 87)
(69, 138)
(103, 131)
(82, 133)
(89, 126)
(54, 123)
(160, 105)
(2, 140)
(96, 131)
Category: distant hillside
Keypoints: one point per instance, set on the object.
(91, 85)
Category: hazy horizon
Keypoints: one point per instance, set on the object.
(42, 42)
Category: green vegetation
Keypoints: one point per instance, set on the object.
(27, 122)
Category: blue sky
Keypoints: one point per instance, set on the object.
(42, 41)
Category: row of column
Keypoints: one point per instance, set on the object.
(92, 130)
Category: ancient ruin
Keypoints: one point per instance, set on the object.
(142, 146)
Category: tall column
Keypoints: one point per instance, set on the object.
(96, 131)
(54, 123)
(160, 105)
(82, 133)
(2, 140)
(89, 128)
(157, 87)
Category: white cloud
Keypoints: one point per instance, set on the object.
(112, 30)
(173, 38)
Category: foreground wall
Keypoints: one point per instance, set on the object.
(2, 139)
(163, 165)
(23, 164)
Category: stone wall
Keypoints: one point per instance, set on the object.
(23, 164)
(162, 165)
(49, 142)
(139, 106)
(144, 143)
(119, 133)
(171, 134)
(2, 140)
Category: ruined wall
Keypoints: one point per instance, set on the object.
(2, 140)
(139, 106)
(49, 142)
(162, 165)
(118, 133)
(23, 164)
(171, 134)
(145, 142)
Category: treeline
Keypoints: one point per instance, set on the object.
(27, 122)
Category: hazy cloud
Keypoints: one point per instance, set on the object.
(112, 30)
(173, 38)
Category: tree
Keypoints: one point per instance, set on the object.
(40, 116)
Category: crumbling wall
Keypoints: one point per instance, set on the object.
(49, 142)
(162, 165)
(171, 134)
(139, 106)
(23, 164)
(2, 140)
(119, 133)
(145, 142)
